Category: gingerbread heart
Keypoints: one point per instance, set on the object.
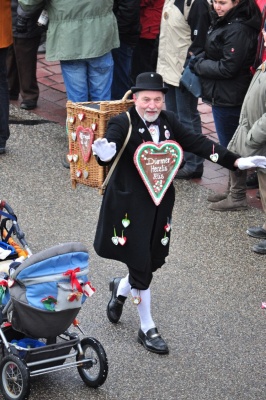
(81, 116)
(125, 222)
(85, 174)
(74, 136)
(72, 119)
(122, 240)
(75, 157)
(85, 139)
(165, 240)
(69, 157)
(157, 165)
(214, 157)
(115, 240)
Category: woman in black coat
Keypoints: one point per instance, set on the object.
(224, 68)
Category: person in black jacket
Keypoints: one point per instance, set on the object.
(224, 67)
(127, 13)
(132, 228)
(22, 61)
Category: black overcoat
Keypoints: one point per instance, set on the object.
(126, 194)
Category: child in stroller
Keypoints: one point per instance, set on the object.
(41, 297)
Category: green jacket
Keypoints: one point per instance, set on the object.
(77, 29)
(250, 136)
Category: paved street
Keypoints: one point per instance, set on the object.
(206, 299)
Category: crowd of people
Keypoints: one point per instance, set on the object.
(108, 47)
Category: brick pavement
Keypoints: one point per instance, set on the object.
(52, 106)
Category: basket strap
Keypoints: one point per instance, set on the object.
(103, 186)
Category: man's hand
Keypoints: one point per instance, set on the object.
(251, 162)
(103, 149)
(22, 24)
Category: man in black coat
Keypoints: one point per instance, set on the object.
(132, 227)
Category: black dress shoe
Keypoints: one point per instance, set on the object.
(153, 341)
(252, 181)
(257, 232)
(2, 150)
(29, 105)
(115, 305)
(260, 247)
(183, 173)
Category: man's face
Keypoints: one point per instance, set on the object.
(149, 104)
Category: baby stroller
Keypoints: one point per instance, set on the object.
(41, 298)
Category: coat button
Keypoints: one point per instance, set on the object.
(166, 15)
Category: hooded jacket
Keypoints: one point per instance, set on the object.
(230, 51)
(250, 136)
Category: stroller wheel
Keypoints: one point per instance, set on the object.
(95, 369)
(14, 378)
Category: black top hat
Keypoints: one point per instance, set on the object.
(149, 81)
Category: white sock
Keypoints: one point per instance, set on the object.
(144, 309)
(123, 287)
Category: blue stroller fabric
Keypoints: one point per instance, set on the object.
(46, 290)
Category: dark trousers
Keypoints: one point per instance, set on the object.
(21, 68)
(4, 99)
(122, 68)
(144, 58)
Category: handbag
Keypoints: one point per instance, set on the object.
(191, 82)
(105, 183)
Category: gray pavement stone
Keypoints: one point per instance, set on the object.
(206, 300)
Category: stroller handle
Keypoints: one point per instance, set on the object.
(16, 228)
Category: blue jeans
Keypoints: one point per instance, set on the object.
(4, 99)
(185, 106)
(122, 70)
(226, 121)
(89, 79)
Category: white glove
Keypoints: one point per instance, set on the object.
(251, 162)
(103, 149)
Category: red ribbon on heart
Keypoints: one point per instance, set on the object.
(73, 279)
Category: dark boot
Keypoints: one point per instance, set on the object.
(236, 200)
(215, 197)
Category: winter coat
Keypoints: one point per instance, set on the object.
(6, 38)
(77, 29)
(183, 29)
(230, 51)
(126, 194)
(250, 136)
(150, 18)
(127, 13)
